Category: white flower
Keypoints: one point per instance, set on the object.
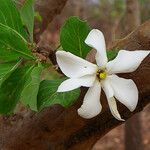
(102, 75)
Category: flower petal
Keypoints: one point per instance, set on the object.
(126, 61)
(125, 91)
(96, 40)
(91, 106)
(106, 85)
(113, 108)
(73, 83)
(74, 66)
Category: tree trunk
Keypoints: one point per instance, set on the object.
(132, 16)
(133, 137)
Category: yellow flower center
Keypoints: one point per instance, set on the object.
(101, 74)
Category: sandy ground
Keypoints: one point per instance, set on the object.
(115, 139)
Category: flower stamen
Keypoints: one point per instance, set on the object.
(101, 74)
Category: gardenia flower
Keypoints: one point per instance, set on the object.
(101, 76)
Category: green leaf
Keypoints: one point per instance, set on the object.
(72, 36)
(11, 88)
(13, 45)
(6, 69)
(30, 91)
(10, 16)
(112, 54)
(48, 94)
(27, 15)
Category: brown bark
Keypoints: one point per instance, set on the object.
(133, 136)
(56, 128)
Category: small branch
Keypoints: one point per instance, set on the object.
(48, 9)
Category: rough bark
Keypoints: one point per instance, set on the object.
(56, 128)
(133, 135)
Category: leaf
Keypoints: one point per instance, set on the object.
(11, 88)
(72, 36)
(10, 16)
(30, 91)
(13, 45)
(6, 69)
(27, 15)
(48, 94)
(112, 54)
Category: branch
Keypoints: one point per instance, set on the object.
(48, 9)
(57, 128)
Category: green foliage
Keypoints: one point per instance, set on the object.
(114, 10)
(118, 8)
(9, 16)
(48, 94)
(6, 69)
(27, 15)
(112, 54)
(12, 87)
(142, 1)
(38, 17)
(13, 45)
(72, 36)
(30, 91)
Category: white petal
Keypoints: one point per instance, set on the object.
(96, 40)
(74, 66)
(125, 91)
(73, 83)
(91, 106)
(126, 61)
(113, 108)
(106, 85)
